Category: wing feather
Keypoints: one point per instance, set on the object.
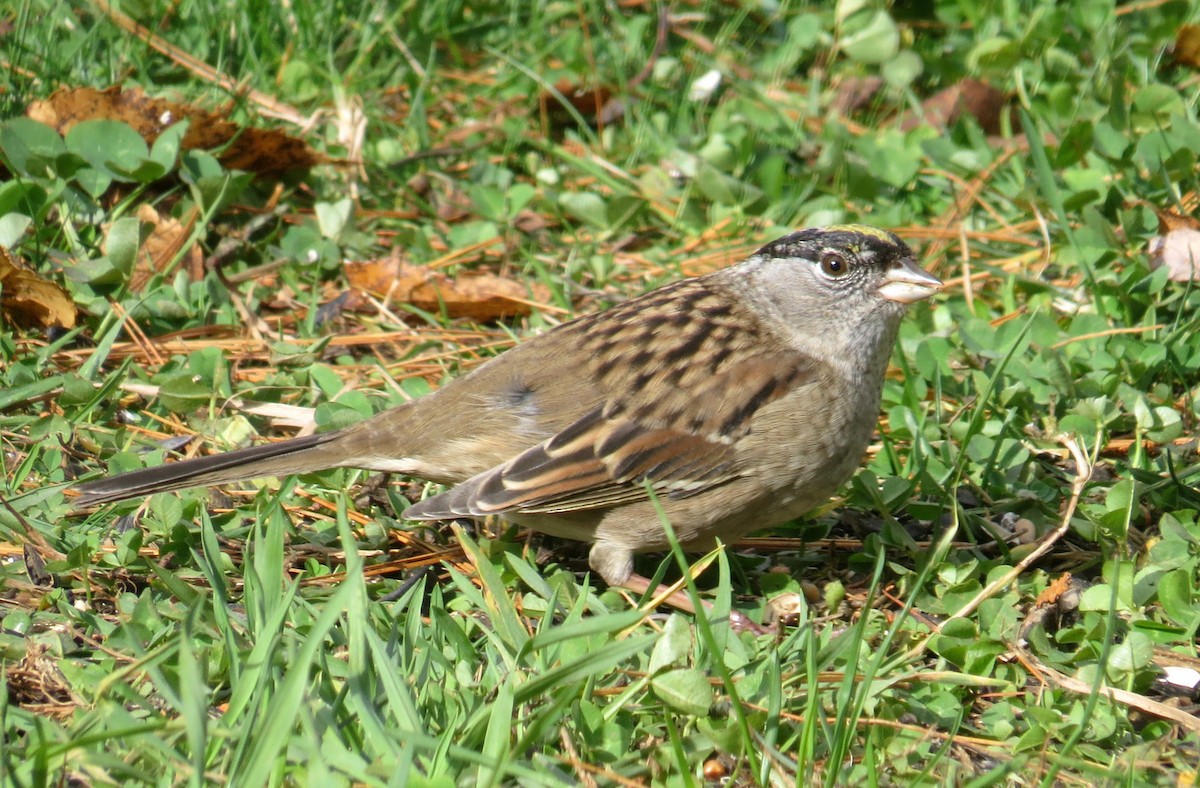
(606, 457)
(680, 374)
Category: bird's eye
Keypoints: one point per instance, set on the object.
(834, 265)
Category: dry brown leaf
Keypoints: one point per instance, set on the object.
(1169, 220)
(532, 222)
(167, 237)
(969, 96)
(1187, 46)
(595, 105)
(28, 300)
(450, 202)
(373, 276)
(478, 295)
(261, 151)
(1179, 251)
(855, 93)
(1178, 246)
(35, 683)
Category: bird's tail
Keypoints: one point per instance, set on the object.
(298, 455)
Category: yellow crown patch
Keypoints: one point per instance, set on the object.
(862, 229)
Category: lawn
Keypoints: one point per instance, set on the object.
(227, 223)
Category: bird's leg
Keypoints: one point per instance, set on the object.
(681, 600)
(614, 563)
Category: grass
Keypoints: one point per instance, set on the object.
(992, 599)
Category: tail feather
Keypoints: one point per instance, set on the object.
(298, 455)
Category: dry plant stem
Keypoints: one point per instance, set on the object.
(1047, 244)
(676, 597)
(255, 272)
(269, 106)
(974, 190)
(964, 201)
(279, 414)
(1140, 702)
(44, 549)
(1083, 474)
(1133, 699)
(974, 742)
(610, 776)
(572, 757)
(660, 44)
(1108, 333)
(137, 336)
(965, 251)
(257, 326)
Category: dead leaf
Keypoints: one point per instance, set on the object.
(28, 300)
(595, 105)
(373, 276)
(969, 96)
(261, 151)
(35, 683)
(855, 93)
(451, 204)
(1187, 46)
(1169, 220)
(532, 222)
(786, 607)
(478, 295)
(167, 237)
(35, 567)
(1179, 251)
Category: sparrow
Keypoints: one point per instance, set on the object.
(734, 401)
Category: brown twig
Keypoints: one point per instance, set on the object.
(1082, 476)
(269, 106)
(1125, 697)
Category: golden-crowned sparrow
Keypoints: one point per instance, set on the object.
(743, 398)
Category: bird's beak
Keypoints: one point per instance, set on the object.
(906, 282)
